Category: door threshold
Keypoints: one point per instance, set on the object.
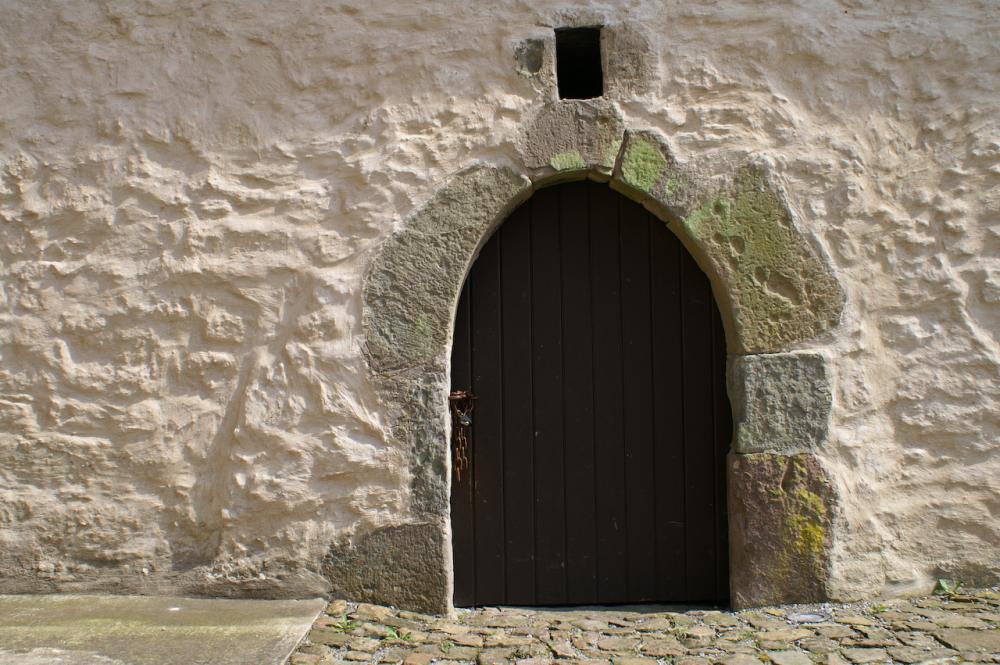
(634, 608)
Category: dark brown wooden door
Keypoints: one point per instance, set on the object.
(597, 445)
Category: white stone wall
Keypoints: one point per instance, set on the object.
(190, 194)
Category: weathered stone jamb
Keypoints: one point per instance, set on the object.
(781, 514)
(411, 293)
(409, 297)
(782, 503)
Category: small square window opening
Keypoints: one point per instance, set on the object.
(578, 63)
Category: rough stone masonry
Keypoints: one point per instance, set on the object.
(192, 198)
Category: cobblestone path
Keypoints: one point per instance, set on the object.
(937, 629)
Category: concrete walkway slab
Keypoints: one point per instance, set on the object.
(140, 630)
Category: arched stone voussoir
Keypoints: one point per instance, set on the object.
(779, 289)
(648, 172)
(571, 139)
(411, 288)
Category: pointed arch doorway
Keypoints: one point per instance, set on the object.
(596, 470)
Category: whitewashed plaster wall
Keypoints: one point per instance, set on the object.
(190, 193)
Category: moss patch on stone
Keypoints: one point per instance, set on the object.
(805, 518)
(643, 164)
(811, 501)
(807, 526)
(781, 291)
(570, 160)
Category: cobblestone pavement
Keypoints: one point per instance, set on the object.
(938, 629)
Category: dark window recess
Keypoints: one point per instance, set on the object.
(578, 63)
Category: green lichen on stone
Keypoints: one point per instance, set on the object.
(611, 152)
(675, 185)
(567, 161)
(811, 500)
(781, 291)
(643, 164)
(806, 523)
(808, 537)
(805, 539)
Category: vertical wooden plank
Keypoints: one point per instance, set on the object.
(640, 488)
(518, 452)
(723, 419)
(668, 414)
(578, 377)
(488, 469)
(699, 435)
(612, 566)
(462, 524)
(547, 369)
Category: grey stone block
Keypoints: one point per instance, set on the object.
(781, 402)
(406, 566)
(573, 136)
(631, 61)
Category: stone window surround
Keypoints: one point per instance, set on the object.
(775, 292)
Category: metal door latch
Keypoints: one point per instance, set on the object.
(462, 403)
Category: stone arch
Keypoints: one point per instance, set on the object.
(776, 293)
